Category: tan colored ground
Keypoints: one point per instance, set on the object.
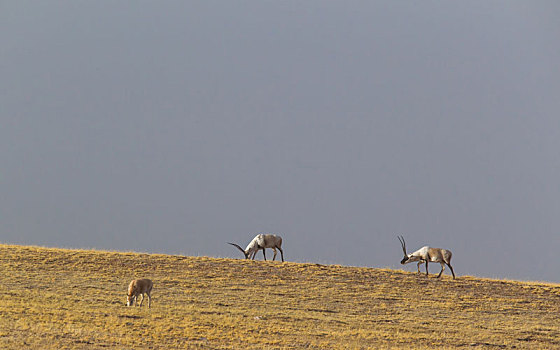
(75, 299)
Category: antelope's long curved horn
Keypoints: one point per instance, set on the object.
(403, 244)
(238, 247)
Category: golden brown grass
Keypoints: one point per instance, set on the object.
(75, 299)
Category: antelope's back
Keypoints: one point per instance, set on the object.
(146, 284)
(435, 254)
(438, 255)
(271, 240)
(140, 286)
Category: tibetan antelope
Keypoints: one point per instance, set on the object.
(137, 288)
(261, 242)
(427, 254)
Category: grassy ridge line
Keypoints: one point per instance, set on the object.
(74, 298)
(178, 256)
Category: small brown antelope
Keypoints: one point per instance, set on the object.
(261, 242)
(139, 287)
(427, 254)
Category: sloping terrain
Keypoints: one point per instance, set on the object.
(65, 299)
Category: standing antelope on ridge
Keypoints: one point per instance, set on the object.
(427, 254)
(261, 242)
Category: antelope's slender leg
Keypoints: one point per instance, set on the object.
(427, 268)
(419, 263)
(149, 300)
(274, 257)
(442, 268)
(141, 301)
(264, 254)
(281, 253)
(452, 272)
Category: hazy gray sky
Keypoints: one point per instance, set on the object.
(176, 126)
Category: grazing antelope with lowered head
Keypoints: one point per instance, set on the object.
(261, 242)
(139, 287)
(427, 254)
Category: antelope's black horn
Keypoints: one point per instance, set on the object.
(403, 244)
(238, 247)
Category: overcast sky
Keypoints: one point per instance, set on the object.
(177, 126)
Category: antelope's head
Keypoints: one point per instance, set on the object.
(130, 300)
(242, 250)
(407, 257)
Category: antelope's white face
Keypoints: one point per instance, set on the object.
(409, 258)
(404, 260)
(130, 300)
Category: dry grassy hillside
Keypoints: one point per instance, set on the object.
(55, 298)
